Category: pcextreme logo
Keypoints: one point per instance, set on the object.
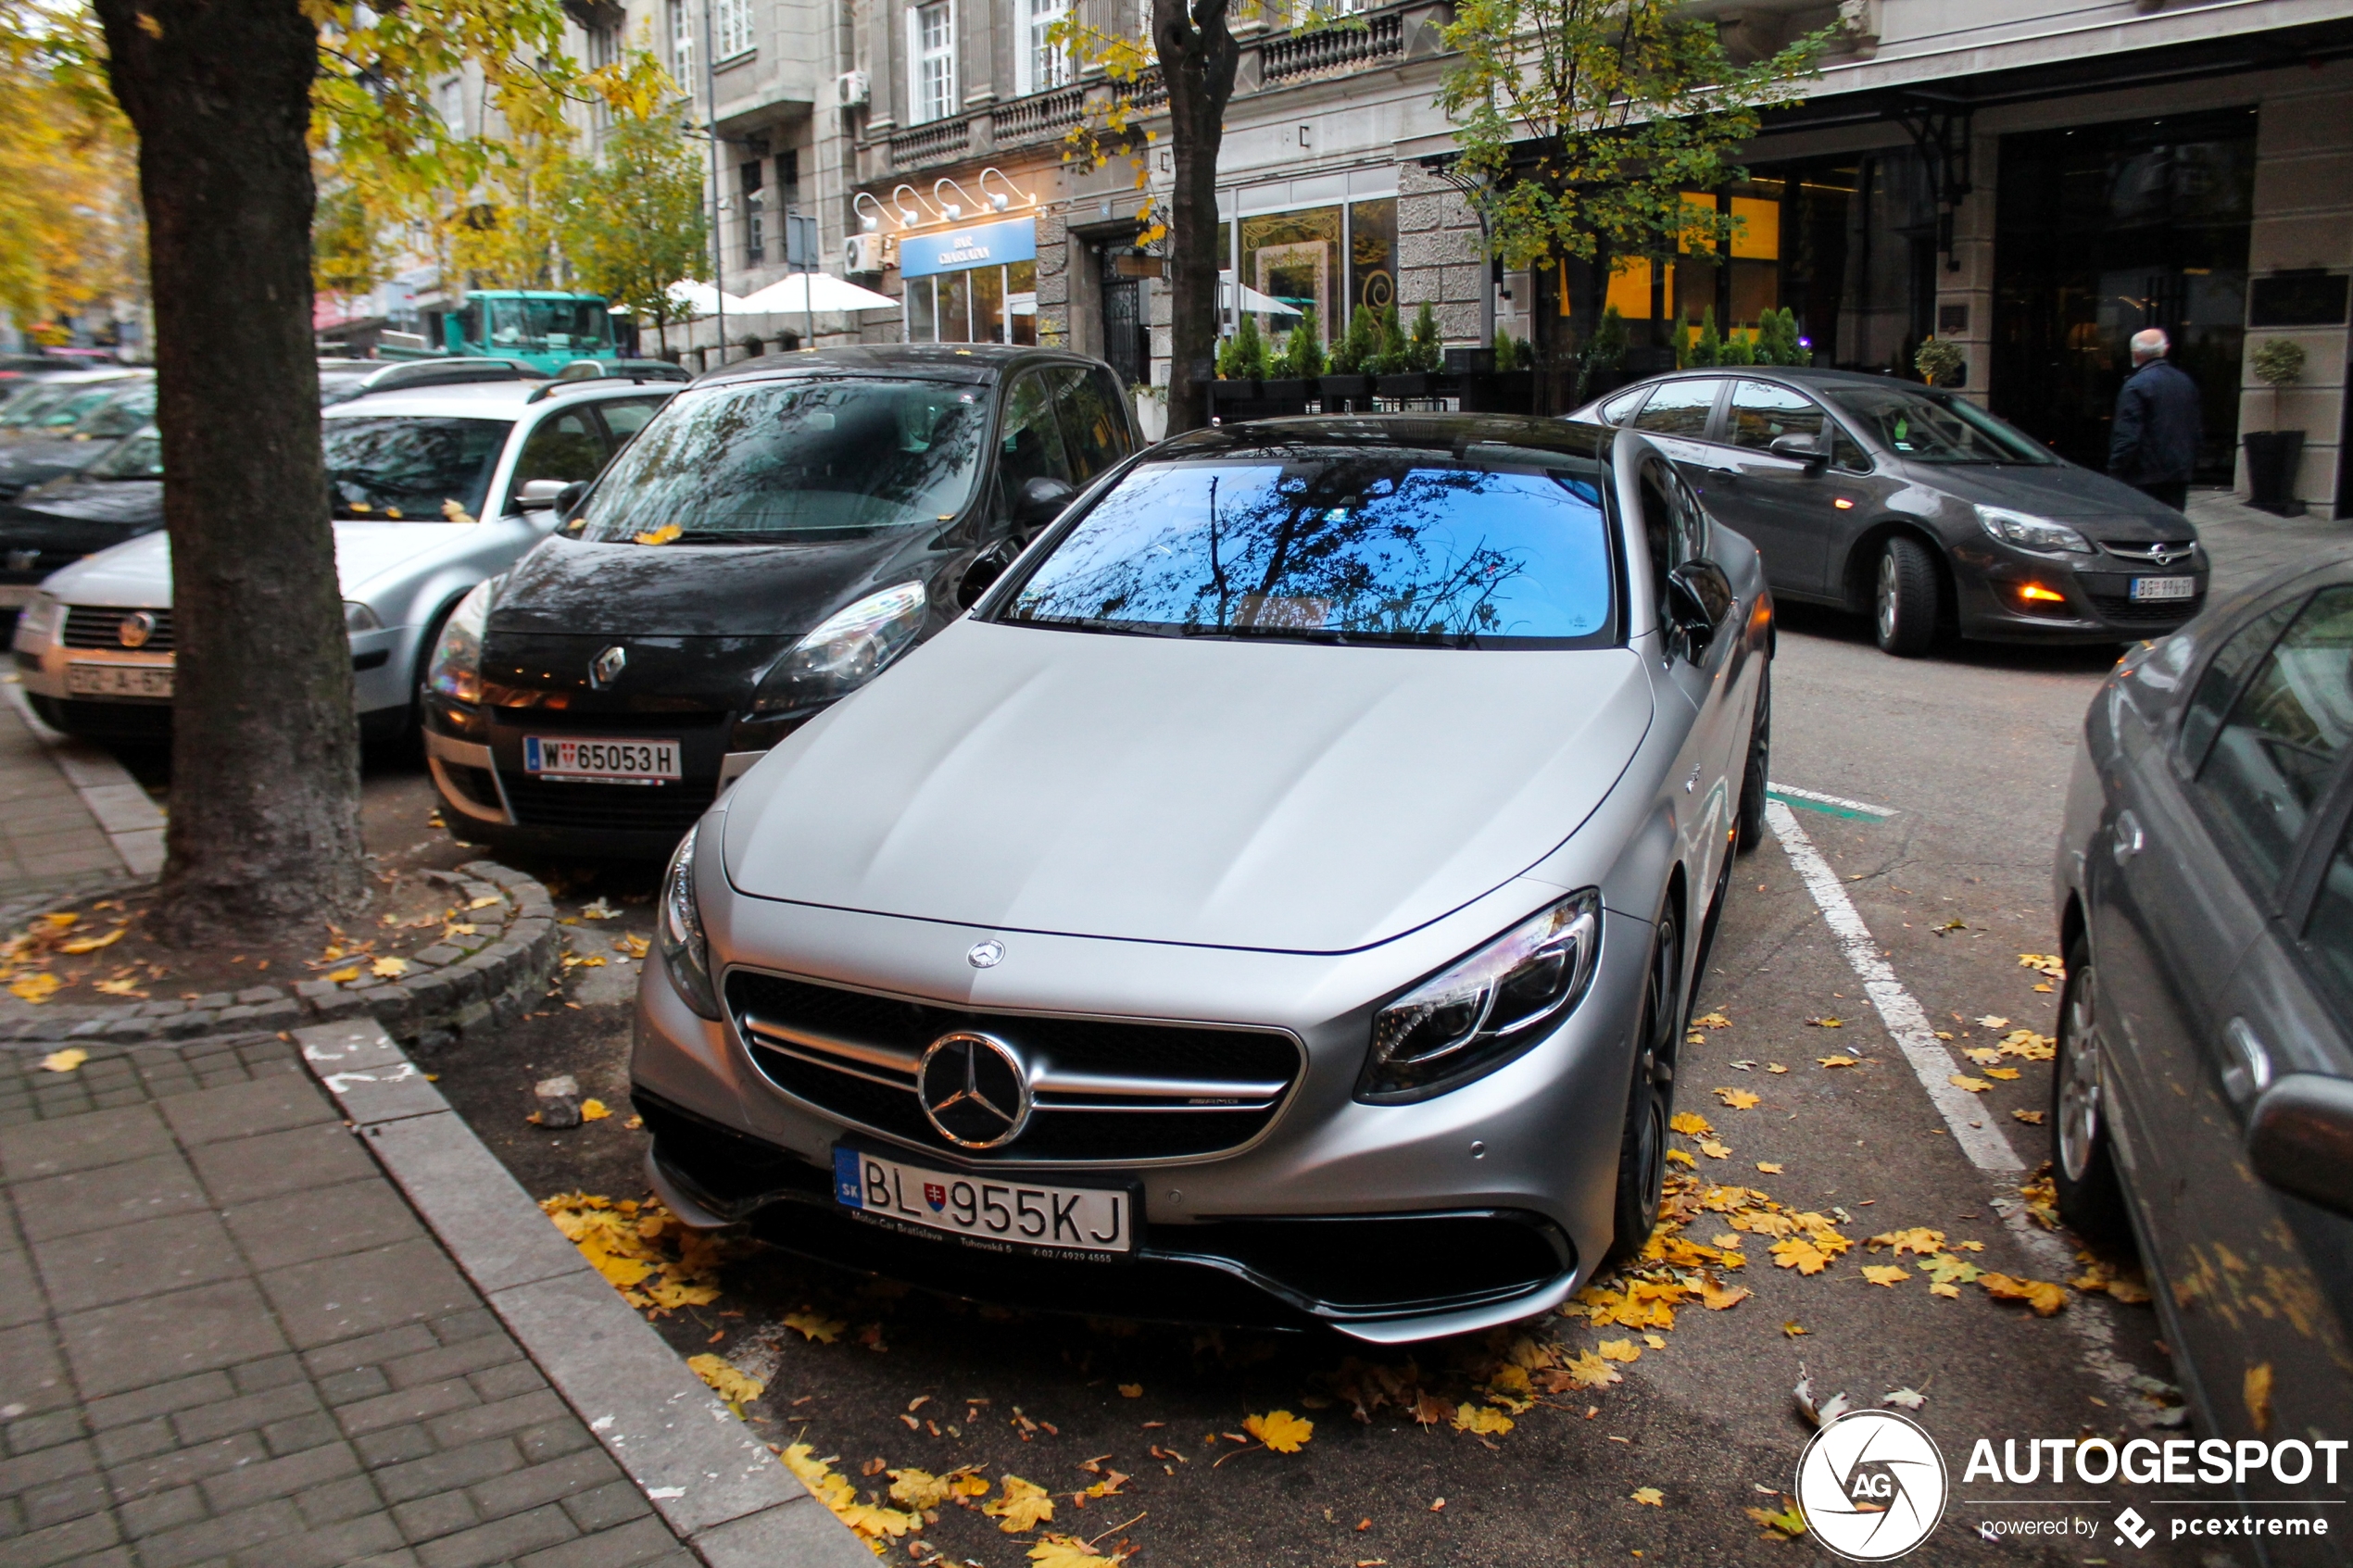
(1871, 1484)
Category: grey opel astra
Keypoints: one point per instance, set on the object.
(1277, 902)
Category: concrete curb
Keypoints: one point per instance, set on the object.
(455, 985)
(716, 1484)
(132, 823)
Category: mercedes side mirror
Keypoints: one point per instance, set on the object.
(989, 565)
(1686, 613)
(2300, 1139)
(539, 495)
(1803, 449)
(1040, 501)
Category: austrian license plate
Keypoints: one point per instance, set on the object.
(607, 761)
(1000, 1216)
(2164, 587)
(119, 680)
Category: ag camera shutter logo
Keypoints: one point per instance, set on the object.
(1872, 1486)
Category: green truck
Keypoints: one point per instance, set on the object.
(541, 328)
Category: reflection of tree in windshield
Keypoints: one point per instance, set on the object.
(410, 469)
(1370, 549)
(741, 464)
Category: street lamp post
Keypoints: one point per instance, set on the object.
(718, 202)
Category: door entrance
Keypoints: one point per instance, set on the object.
(1125, 344)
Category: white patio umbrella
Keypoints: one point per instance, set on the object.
(805, 292)
(699, 300)
(1257, 304)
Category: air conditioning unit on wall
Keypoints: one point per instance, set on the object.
(850, 89)
(863, 253)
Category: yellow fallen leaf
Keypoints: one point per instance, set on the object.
(2031, 1118)
(1722, 1298)
(1620, 1350)
(1739, 1099)
(1131, 1391)
(1480, 1420)
(2256, 1389)
(486, 901)
(1024, 1505)
(1586, 1369)
(2027, 1046)
(1069, 1552)
(920, 1489)
(1836, 1060)
(1990, 1022)
(65, 1060)
(1715, 1150)
(1798, 1253)
(384, 968)
(1769, 1167)
(1787, 1524)
(121, 988)
(1884, 1274)
(1711, 1020)
(594, 1111)
(1952, 1290)
(2003, 1073)
(2042, 986)
(61, 919)
(727, 1380)
(2047, 964)
(873, 1525)
(36, 988)
(2044, 1297)
(1649, 1496)
(1792, 1330)
(1827, 1022)
(92, 944)
(1963, 1080)
(663, 535)
(1690, 1124)
(1775, 1067)
(815, 1326)
(1279, 1430)
(1985, 1056)
(1677, 1157)
(635, 946)
(339, 976)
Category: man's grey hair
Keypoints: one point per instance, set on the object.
(2149, 342)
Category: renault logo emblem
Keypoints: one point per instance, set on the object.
(974, 1090)
(986, 955)
(606, 668)
(136, 628)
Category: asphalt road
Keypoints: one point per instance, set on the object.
(1967, 754)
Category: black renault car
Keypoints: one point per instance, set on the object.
(1914, 506)
(772, 541)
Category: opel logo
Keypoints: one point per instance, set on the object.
(136, 628)
(974, 1090)
(986, 955)
(2166, 555)
(606, 668)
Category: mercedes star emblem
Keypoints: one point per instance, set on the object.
(974, 1090)
(136, 628)
(986, 955)
(606, 668)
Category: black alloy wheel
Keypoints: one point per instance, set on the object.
(1757, 778)
(1906, 600)
(2091, 1199)
(1642, 1151)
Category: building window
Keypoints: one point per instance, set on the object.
(604, 47)
(931, 50)
(681, 44)
(453, 106)
(732, 21)
(1045, 65)
(755, 214)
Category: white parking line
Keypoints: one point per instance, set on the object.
(1906, 1021)
(1908, 1025)
(1837, 802)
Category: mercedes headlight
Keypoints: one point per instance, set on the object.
(678, 931)
(850, 648)
(456, 669)
(1473, 1017)
(2030, 533)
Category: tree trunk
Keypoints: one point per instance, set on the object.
(264, 833)
(1198, 58)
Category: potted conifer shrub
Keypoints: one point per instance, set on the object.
(1241, 360)
(1292, 378)
(1346, 379)
(1411, 361)
(2272, 456)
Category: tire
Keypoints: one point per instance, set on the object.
(1758, 776)
(1904, 601)
(2091, 1199)
(1641, 1152)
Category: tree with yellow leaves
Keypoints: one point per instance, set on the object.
(71, 233)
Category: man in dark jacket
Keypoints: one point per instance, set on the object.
(2153, 446)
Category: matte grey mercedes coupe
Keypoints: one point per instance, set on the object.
(1277, 902)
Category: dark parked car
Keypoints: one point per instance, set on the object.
(1913, 505)
(2202, 1091)
(68, 431)
(776, 536)
(60, 521)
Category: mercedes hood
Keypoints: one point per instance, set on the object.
(1271, 796)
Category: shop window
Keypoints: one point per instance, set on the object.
(1372, 258)
(1290, 260)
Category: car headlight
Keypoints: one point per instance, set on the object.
(357, 616)
(678, 931)
(2030, 533)
(456, 669)
(850, 648)
(37, 625)
(1473, 1017)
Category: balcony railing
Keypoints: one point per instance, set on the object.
(1334, 49)
(1042, 117)
(937, 142)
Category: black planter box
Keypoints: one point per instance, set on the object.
(1354, 391)
(2272, 460)
(1499, 392)
(1413, 383)
(1470, 361)
(1286, 395)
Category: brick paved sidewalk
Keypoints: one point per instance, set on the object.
(226, 1338)
(2247, 545)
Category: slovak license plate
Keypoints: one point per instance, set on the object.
(999, 1216)
(2164, 588)
(606, 761)
(119, 680)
